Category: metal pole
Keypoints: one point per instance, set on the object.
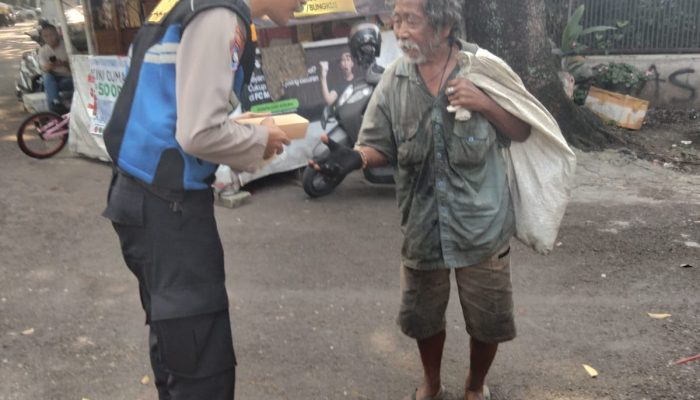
(64, 27)
(89, 30)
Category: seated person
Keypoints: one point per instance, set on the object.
(54, 62)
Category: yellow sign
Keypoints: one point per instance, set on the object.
(253, 33)
(318, 7)
(162, 10)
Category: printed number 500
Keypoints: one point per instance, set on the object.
(108, 89)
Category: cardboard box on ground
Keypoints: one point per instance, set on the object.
(625, 111)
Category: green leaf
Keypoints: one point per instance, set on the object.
(600, 28)
(576, 16)
(572, 29)
(574, 34)
(566, 38)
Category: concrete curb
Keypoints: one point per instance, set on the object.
(230, 199)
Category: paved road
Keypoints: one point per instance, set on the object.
(314, 288)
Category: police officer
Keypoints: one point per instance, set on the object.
(168, 132)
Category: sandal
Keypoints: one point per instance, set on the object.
(486, 392)
(440, 395)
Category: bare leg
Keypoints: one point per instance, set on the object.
(431, 356)
(481, 356)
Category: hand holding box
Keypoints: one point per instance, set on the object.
(294, 125)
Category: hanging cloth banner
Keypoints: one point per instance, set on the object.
(319, 7)
(107, 75)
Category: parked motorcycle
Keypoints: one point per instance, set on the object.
(30, 73)
(347, 111)
(7, 15)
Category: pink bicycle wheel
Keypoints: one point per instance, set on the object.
(32, 140)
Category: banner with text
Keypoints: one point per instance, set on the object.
(319, 7)
(106, 78)
(305, 96)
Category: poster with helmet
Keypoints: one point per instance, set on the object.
(330, 70)
(330, 67)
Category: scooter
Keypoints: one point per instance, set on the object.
(347, 112)
(30, 74)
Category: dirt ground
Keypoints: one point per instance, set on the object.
(670, 138)
(314, 285)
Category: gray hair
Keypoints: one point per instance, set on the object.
(441, 14)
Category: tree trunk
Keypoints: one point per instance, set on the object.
(516, 32)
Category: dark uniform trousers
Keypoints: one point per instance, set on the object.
(172, 246)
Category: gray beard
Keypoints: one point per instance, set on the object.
(422, 57)
(406, 49)
(420, 60)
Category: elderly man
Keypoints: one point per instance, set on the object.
(452, 191)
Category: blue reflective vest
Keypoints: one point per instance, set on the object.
(140, 136)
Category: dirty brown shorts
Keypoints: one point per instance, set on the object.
(485, 293)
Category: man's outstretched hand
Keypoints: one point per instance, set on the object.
(340, 162)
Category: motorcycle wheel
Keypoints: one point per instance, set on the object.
(316, 184)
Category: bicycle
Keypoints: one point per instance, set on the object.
(43, 134)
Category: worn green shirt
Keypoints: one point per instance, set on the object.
(450, 175)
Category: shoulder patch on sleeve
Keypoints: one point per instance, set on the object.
(236, 47)
(161, 11)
